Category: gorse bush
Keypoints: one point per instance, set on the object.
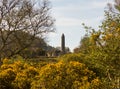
(90, 60)
(6, 78)
(60, 75)
(71, 75)
(16, 75)
(100, 63)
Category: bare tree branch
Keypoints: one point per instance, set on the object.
(20, 22)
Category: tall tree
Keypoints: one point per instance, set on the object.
(106, 41)
(20, 22)
(85, 45)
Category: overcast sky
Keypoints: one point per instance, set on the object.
(69, 16)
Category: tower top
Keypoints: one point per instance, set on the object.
(63, 34)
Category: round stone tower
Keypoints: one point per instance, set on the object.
(63, 44)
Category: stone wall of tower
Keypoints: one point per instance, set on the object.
(63, 44)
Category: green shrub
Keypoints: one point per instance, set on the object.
(72, 57)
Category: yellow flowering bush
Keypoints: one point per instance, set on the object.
(6, 78)
(21, 81)
(61, 75)
(16, 75)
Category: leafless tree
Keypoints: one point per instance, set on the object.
(20, 22)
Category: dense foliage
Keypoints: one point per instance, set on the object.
(19, 74)
(101, 49)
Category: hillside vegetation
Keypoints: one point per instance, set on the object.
(95, 64)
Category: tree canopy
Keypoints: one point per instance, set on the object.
(20, 22)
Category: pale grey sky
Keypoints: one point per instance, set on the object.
(70, 14)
